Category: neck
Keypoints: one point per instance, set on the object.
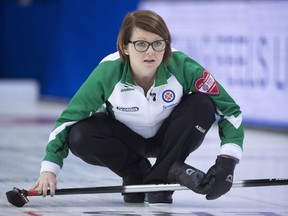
(145, 82)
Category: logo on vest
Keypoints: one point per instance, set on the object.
(127, 88)
(207, 84)
(128, 109)
(168, 96)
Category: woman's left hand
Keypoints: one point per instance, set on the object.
(219, 178)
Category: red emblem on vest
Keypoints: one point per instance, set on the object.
(207, 84)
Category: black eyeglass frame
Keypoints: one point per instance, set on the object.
(149, 44)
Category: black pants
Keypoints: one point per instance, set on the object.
(103, 141)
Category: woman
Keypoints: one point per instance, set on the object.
(147, 100)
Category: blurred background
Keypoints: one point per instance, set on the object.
(49, 47)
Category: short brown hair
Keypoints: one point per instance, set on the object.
(145, 20)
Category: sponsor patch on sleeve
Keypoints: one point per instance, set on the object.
(207, 84)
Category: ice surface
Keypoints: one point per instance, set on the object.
(24, 134)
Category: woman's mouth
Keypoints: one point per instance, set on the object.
(149, 60)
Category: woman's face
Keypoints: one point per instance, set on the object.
(144, 64)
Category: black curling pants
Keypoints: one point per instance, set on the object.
(103, 141)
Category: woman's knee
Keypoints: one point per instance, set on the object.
(200, 102)
(76, 136)
(204, 107)
(196, 104)
(86, 132)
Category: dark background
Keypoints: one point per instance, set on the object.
(58, 42)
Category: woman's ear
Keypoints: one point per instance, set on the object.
(126, 51)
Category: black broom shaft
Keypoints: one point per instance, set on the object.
(162, 187)
(261, 182)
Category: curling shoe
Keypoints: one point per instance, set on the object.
(162, 197)
(135, 177)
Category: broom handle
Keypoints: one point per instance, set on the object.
(158, 187)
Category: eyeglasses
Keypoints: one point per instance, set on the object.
(142, 46)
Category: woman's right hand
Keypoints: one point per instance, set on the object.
(47, 180)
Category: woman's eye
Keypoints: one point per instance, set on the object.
(141, 44)
(157, 43)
